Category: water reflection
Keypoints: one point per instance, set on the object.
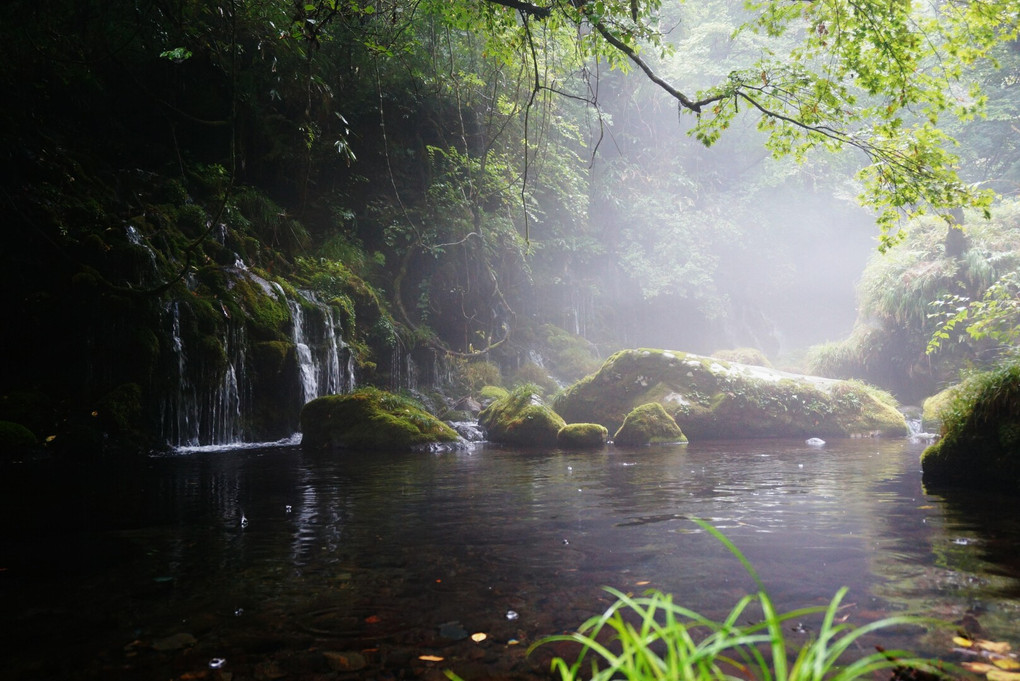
(389, 551)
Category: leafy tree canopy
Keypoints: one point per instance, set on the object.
(873, 75)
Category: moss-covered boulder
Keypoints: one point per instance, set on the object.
(582, 436)
(714, 399)
(370, 419)
(648, 424)
(980, 444)
(521, 418)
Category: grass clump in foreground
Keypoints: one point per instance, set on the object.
(650, 637)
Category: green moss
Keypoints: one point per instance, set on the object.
(15, 438)
(648, 424)
(472, 375)
(980, 445)
(370, 419)
(521, 418)
(713, 399)
(570, 356)
(582, 436)
(751, 356)
(492, 392)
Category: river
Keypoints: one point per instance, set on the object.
(264, 563)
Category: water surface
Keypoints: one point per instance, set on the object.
(267, 557)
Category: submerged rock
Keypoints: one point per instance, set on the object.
(711, 398)
(648, 424)
(521, 418)
(370, 419)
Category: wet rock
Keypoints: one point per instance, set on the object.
(521, 418)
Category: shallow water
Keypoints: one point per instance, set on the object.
(267, 557)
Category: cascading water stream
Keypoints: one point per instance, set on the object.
(213, 405)
(213, 415)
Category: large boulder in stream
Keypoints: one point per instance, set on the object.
(521, 418)
(711, 398)
(369, 418)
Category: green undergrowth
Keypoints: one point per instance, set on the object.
(651, 638)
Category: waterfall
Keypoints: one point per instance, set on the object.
(213, 413)
(325, 362)
(916, 432)
(306, 363)
(209, 401)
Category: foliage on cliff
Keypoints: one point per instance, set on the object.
(906, 295)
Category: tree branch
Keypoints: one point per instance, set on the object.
(525, 8)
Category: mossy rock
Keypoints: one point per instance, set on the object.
(370, 419)
(582, 436)
(751, 356)
(711, 398)
(521, 418)
(648, 424)
(980, 444)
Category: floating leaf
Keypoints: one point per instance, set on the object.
(430, 658)
(1000, 647)
(479, 637)
(978, 667)
(962, 642)
(1000, 675)
(1006, 663)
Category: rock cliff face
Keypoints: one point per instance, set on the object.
(714, 399)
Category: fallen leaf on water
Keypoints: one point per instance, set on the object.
(978, 667)
(430, 658)
(1006, 663)
(1000, 647)
(643, 582)
(479, 637)
(1000, 675)
(962, 642)
(373, 619)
